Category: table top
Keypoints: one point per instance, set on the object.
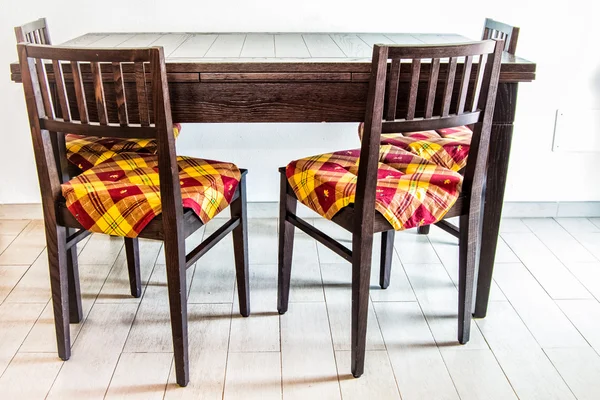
(279, 52)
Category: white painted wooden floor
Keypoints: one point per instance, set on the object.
(541, 338)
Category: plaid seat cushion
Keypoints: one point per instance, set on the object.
(447, 148)
(88, 151)
(120, 196)
(411, 190)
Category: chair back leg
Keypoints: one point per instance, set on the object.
(423, 230)
(387, 254)
(132, 251)
(287, 206)
(240, 247)
(75, 308)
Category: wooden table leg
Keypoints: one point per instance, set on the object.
(502, 130)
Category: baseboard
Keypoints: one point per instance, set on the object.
(564, 209)
(567, 209)
(21, 211)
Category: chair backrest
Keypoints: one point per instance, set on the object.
(423, 107)
(58, 103)
(499, 30)
(35, 32)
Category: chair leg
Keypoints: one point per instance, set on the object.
(132, 250)
(387, 251)
(176, 283)
(75, 310)
(56, 241)
(423, 230)
(240, 248)
(287, 206)
(362, 245)
(466, 276)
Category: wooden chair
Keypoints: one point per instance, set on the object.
(491, 30)
(37, 32)
(435, 109)
(499, 30)
(68, 69)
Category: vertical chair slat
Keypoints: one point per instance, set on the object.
(414, 86)
(120, 93)
(61, 90)
(486, 33)
(507, 43)
(99, 93)
(431, 87)
(140, 84)
(45, 89)
(449, 86)
(478, 81)
(46, 33)
(392, 89)
(79, 93)
(464, 84)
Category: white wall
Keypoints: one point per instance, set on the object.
(557, 36)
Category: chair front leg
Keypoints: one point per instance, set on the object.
(240, 248)
(132, 251)
(362, 245)
(56, 242)
(466, 274)
(176, 282)
(387, 254)
(75, 309)
(287, 206)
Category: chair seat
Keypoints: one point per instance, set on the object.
(411, 190)
(88, 151)
(120, 196)
(447, 148)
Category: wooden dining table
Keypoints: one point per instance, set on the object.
(309, 77)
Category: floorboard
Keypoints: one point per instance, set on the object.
(540, 339)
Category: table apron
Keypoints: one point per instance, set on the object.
(328, 101)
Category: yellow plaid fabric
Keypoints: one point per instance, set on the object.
(88, 151)
(411, 190)
(448, 148)
(121, 196)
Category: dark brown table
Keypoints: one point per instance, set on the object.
(309, 77)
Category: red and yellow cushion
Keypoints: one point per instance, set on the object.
(88, 151)
(411, 190)
(447, 148)
(120, 196)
